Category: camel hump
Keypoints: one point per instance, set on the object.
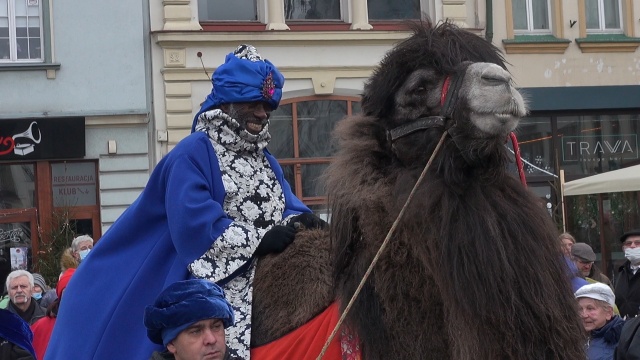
(292, 287)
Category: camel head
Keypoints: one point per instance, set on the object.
(443, 78)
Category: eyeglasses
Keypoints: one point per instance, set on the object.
(631, 242)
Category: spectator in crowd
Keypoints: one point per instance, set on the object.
(189, 319)
(214, 204)
(43, 328)
(583, 256)
(566, 242)
(20, 285)
(81, 246)
(596, 303)
(15, 337)
(5, 269)
(627, 285)
(629, 345)
(41, 291)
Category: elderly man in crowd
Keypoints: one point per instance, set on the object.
(212, 206)
(627, 286)
(20, 285)
(189, 319)
(583, 256)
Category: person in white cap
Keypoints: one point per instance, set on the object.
(596, 303)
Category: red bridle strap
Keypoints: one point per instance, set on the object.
(445, 90)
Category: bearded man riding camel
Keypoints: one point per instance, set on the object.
(213, 205)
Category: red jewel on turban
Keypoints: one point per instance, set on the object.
(268, 87)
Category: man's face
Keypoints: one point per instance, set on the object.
(252, 116)
(202, 340)
(20, 290)
(631, 242)
(583, 265)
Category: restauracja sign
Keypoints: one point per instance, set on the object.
(585, 148)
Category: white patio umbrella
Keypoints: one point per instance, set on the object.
(627, 179)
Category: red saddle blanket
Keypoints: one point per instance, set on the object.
(307, 341)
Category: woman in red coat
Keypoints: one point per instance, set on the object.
(43, 328)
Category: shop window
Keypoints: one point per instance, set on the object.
(17, 214)
(41, 200)
(536, 145)
(592, 144)
(302, 141)
(224, 10)
(312, 9)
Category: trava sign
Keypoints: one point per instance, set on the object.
(596, 148)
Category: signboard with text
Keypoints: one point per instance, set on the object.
(43, 138)
(74, 183)
(599, 148)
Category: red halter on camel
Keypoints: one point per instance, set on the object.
(447, 103)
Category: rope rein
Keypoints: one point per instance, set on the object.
(381, 249)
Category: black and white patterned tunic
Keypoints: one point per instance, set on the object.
(255, 202)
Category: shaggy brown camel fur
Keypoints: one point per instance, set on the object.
(473, 270)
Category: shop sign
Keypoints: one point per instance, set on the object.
(74, 183)
(598, 148)
(43, 138)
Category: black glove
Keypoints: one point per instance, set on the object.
(307, 221)
(276, 240)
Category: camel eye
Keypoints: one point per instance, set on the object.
(420, 90)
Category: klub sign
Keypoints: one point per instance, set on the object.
(45, 138)
(598, 148)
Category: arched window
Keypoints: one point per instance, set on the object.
(302, 142)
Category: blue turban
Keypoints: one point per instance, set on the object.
(244, 77)
(16, 331)
(182, 304)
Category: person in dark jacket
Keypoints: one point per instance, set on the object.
(596, 303)
(629, 345)
(189, 318)
(20, 285)
(627, 285)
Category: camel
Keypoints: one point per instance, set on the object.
(473, 270)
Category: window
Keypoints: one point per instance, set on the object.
(603, 16)
(221, 10)
(302, 143)
(21, 31)
(531, 16)
(312, 9)
(394, 10)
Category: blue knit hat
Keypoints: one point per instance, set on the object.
(16, 330)
(244, 77)
(182, 304)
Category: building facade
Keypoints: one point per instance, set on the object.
(578, 64)
(75, 119)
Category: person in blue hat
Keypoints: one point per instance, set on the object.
(213, 205)
(189, 319)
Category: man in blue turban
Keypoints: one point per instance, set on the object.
(189, 319)
(212, 206)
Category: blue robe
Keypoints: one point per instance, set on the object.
(175, 220)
